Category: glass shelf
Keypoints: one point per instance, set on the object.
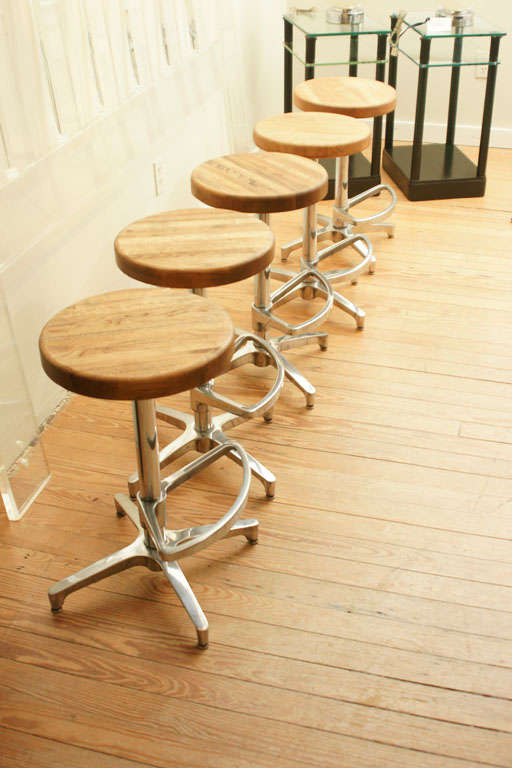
(344, 62)
(469, 48)
(472, 61)
(358, 40)
(316, 25)
(479, 27)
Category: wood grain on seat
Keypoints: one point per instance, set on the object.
(137, 344)
(194, 248)
(259, 182)
(312, 134)
(353, 96)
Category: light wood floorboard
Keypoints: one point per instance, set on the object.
(372, 625)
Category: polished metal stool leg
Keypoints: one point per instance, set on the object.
(157, 547)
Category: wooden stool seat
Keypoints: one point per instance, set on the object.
(312, 134)
(194, 248)
(353, 96)
(137, 344)
(259, 182)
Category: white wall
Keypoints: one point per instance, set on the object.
(60, 218)
(62, 207)
(471, 93)
(261, 41)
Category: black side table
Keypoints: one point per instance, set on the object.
(362, 174)
(437, 171)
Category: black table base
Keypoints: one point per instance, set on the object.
(439, 171)
(445, 172)
(360, 175)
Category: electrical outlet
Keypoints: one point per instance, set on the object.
(159, 177)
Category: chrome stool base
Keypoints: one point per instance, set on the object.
(156, 546)
(362, 228)
(290, 371)
(310, 291)
(140, 553)
(320, 283)
(344, 229)
(298, 335)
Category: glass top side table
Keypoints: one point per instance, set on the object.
(362, 174)
(437, 171)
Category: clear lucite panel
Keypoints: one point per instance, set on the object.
(23, 465)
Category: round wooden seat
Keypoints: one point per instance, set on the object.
(137, 344)
(259, 182)
(194, 248)
(353, 96)
(312, 134)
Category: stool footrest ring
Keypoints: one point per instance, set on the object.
(363, 247)
(370, 193)
(266, 317)
(206, 394)
(172, 545)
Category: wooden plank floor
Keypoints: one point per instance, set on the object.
(372, 625)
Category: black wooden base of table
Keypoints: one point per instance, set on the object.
(360, 175)
(445, 172)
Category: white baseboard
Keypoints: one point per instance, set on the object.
(467, 135)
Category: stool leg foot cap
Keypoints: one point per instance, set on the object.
(133, 486)
(119, 510)
(268, 417)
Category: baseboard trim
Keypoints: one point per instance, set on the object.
(468, 135)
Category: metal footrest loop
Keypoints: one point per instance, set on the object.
(347, 275)
(370, 193)
(206, 394)
(308, 277)
(172, 545)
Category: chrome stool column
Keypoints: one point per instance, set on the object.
(317, 135)
(296, 335)
(266, 183)
(355, 97)
(203, 431)
(93, 363)
(196, 249)
(341, 225)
